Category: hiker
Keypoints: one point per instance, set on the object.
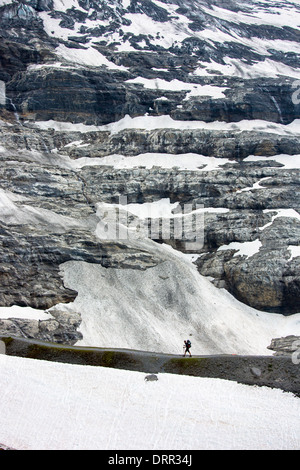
(187, 346)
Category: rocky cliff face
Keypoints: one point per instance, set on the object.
(190, 102)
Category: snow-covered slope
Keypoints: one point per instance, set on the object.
(54, 406)
(157, 308)
(259, 31)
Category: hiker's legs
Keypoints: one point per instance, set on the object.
(187, 350)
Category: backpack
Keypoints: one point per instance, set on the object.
(189, 344)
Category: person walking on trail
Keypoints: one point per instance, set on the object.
(187, 346)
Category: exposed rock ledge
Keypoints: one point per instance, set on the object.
(286, 346)
(270, 371)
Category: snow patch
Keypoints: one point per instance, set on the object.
(247, 249)
(280, 213)
(295, 251)
(239, 68)
(256, 185)
(192, 89)
(188, 161)
(163, 34)
(25, 313)
(162, 208)
(64, 5)
(61, 126)
(89, 56)
(53, 406)
(274, 16)
(156, 209)
(12, 212)
(166, 122)
(290, 162)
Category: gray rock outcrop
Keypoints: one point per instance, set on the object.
(286, 346)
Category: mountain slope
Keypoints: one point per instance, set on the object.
(81, 407)
(125, 106)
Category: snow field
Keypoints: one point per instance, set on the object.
(11, 213)
(27, 313)
(133, 309)
(292, 213)
(53, 406)
(289, 162)
(188, 161)
(244, 248)
(166, 122)
(192, 89)
(239, 68)
(176, 30)
(90, 57)
(295, 251)
(270, 14)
